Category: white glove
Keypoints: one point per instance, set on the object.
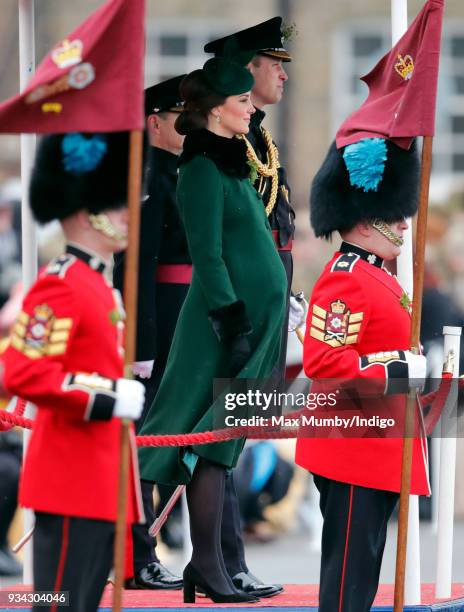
(143, 369)
(417, 369)
(129, 400)
(297, 311)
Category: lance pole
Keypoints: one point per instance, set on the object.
(130, 301)
(411, 400)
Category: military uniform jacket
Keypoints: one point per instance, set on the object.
(162, 241)
(358, 325)
(282, 216)
(65, 356)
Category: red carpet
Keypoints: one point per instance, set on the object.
(296, 596)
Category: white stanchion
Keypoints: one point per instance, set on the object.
(187, 542)
(434, 367)
(412, 584)
(28, 228)
(404, 270)
(443, 582)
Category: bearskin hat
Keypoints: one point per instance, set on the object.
(79, 171)
(341, 195)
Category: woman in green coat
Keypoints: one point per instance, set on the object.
(230, 324)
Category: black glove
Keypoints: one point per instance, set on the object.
(230, 321)
(240, 352)
(232, 326)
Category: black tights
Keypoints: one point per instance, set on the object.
(233, 549)
(205, 498)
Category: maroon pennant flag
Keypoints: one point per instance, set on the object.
(402, 86)
(92, 81)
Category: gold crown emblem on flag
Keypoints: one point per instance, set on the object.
(68, 54)
(405, 66)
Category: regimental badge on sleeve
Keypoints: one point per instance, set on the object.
(336, 327)
(41, 334)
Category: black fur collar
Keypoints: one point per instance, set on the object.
(229, 154)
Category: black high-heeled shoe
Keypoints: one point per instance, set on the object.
(192, 579)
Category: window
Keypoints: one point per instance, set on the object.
(175, 46)
(357, 47)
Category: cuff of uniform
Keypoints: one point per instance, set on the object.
(396, 369)
(397, 376)
(101, 407)
(230, 321)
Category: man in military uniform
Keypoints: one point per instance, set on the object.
(66, 357)
(165, 272)
(358, 329)
(266, 39)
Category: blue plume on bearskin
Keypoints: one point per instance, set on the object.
(365, 162)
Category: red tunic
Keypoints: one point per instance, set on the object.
(358, 325)
(65, 356)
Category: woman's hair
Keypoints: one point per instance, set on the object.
(199, 98)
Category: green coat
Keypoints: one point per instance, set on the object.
(234, 258)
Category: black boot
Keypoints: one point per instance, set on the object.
(234, 550)
(192, 579)
(205, 498)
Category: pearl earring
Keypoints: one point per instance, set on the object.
(218, 118)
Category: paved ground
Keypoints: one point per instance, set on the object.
(292, 558)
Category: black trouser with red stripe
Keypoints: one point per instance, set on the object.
(353, 541)
(72, 554)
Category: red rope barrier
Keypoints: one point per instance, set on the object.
(10, 419)
(15, 419)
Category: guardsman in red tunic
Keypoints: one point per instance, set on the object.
(66, 357)
(358, 329)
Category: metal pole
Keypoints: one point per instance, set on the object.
(28, 228)
(447, 478)
(187, 543)
(399, 25)
(404, 264)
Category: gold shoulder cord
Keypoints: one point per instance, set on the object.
(266, 170)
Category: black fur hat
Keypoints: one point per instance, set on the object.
(79, 171)
(337, 205)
